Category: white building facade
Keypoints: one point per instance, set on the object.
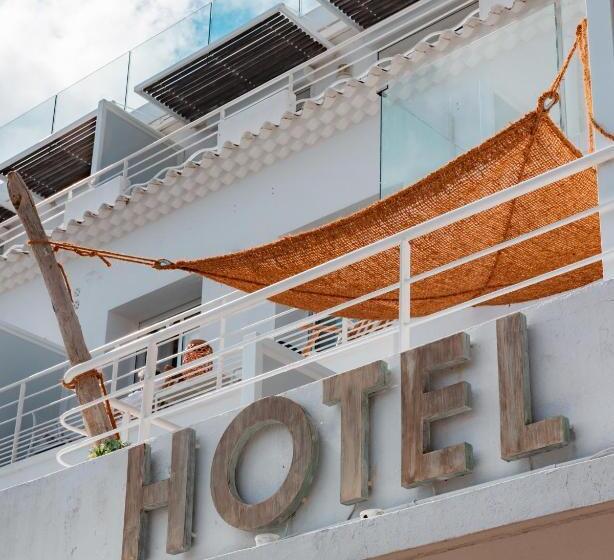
(360, 105)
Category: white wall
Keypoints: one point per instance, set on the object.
(303, 188)
(78, 512)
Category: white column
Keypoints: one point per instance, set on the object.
(253, 365)
(148, 392)
(404, 295)
(601, 45)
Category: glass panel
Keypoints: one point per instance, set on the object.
(443, 109)
(572, 92)
(109, 82)
(229, 15)
(308, 5)
(165, 49)
(26, 130)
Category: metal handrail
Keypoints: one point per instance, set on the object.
(400, 239)
(243, 302)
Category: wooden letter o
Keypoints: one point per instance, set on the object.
(281, 505)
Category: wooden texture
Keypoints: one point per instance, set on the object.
(281, 505)
(520, 436)
(420, 407)
(135, 519)
(96, 418)
(352, 390)
(155, 495)
(176, 492)
(181, 492)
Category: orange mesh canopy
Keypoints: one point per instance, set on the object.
(524, 149)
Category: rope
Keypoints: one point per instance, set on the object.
(104, 255)
(552, 94)
(66, 281)
(100, 378)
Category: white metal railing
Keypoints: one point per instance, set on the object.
(233, 325)
(30, 409)
(226, 361)
(183, 147)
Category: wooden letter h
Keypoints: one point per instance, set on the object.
(176, 493)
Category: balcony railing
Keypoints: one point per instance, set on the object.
(162, 395)
(231, 366)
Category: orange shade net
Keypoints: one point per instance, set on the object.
(526, 148)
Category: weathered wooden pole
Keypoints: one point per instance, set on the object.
(97, 418)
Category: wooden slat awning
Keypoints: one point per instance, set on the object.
(368, 12)
(57, 162)
(5, 214)
(267, 47)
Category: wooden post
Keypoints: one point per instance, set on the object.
(96, 418)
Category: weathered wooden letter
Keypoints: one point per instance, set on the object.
(420, 407)
(352, 389)
(520, 437)
(176, 493)
(281, 505)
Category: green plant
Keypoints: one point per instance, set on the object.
(105, 447)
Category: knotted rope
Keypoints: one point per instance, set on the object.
(104, 255)
(100, 378)
(581, 46)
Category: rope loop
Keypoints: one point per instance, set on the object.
(547, 100)
(580, 46)
(161, 264)
(97, 375)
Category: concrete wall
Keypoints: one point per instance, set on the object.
(78, 512)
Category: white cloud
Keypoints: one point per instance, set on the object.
(46, 45)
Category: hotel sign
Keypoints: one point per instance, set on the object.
(351, 391)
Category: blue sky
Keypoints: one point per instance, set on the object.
(48, 45)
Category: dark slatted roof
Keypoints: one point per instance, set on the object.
(59, 162)
(5, 214)
(368, 12)
(225, 70)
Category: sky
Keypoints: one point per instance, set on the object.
(46, 45)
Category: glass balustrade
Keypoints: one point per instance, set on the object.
(109, 82)
(116, 81)
(229, 15)
(27, 129)
(162, 51)
(451, 105)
